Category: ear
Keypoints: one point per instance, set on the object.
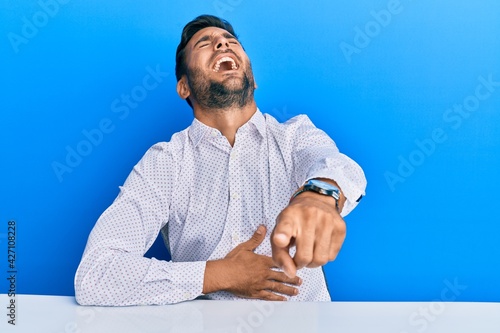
(183, 88)
(255, 84)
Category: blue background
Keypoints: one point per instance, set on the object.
(378, 76)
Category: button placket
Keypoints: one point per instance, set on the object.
(233, 216)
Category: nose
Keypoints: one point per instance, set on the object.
(221, 42)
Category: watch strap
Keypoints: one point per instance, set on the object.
(305, 188)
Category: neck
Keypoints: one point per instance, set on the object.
(227, 121)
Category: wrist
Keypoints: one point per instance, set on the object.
(215, 278)
(315, 198)
(324, 187)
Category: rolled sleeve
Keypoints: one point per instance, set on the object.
(317, 156)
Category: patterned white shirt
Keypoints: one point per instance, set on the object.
(206, 197)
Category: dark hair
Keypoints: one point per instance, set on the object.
(199, 23)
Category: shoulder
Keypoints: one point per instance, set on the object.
(292, 127)
(295, 121)
(298, 131)
(165, 153)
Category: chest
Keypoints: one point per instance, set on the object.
(222, 196)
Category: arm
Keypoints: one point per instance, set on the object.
(311, 221)
(128, 279)
(113, 270)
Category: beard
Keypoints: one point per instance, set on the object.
(233, 92)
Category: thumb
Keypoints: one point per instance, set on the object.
(256, 239)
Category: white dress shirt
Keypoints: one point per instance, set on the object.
(206, 197)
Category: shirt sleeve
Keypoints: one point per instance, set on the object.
(113, 270)
(316, 155)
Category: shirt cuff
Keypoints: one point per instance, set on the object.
(353, 191)
(184, 279)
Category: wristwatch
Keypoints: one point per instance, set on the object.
(320, 187)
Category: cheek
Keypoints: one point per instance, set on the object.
(246, 62)
(196, 61)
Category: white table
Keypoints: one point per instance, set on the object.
(58, 314)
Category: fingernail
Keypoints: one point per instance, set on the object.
(280, 238)
(260, 230)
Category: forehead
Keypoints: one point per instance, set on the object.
(207, 32)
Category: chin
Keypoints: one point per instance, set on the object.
(233, 82)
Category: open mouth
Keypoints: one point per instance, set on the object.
(225, 63)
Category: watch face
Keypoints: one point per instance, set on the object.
(323, 185)
(322, 188)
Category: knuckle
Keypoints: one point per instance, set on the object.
(267, 262)
(261, 295)
(287, 290)
(311, 209)
(302, 259)
(333, 254)
(308, 214)
(255, 239)
(341, 227)
(320, 260)
(313, 265)
(295, 281)
(285, 214)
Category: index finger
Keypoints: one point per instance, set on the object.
(281, 240)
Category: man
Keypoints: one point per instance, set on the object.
(248, 207)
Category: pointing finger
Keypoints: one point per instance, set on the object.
(281, 240)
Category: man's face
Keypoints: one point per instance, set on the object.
(219, 73)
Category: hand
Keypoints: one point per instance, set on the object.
(312, 223)
(247, 274)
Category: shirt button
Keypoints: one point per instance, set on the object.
(187, 295)
(235, 196)
(214, 133)
(236, 238)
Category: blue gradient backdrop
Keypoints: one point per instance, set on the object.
(409, 89)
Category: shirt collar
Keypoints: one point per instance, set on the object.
(259, 122)
(198, 130)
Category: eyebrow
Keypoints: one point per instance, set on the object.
(210, 37)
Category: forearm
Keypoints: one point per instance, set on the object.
(317, 157)
(114, 278)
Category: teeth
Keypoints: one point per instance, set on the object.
(224, 59)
